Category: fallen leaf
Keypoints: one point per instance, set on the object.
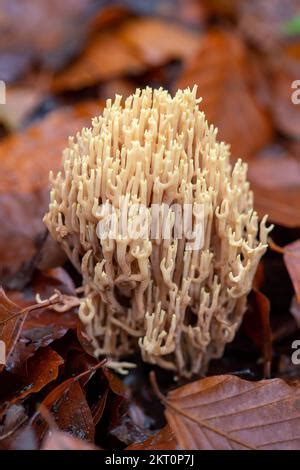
(99, 407)
(275, 180)
(40, 370)
(292, 261)
(221, 70)
(105, 57)
(226, 412)
(259, 277)
(157, 41)
(267, 172)
(73, 415)
(115, 383)
(12, 324)
(44, 325)
(256, 325)
(161, 440)
(25, 160)
(69, 406)
(49, 33)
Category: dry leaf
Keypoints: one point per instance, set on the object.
(73, 415)
(256, 325)
(44, 325)
(161, 440)
(25, 160)
(48, 32)
(220, 68)
(11, 326)
(275, 181)
(157, 41)
(68, 403)
(267, 172)
(105, 57)
(40, 370)
(226, 412)
(292, 261)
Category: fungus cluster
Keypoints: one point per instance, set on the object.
(178, 304)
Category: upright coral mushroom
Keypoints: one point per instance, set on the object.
(177, 302)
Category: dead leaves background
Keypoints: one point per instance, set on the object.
(60, 61)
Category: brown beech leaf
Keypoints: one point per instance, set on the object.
(157, 41)
(256, 325)
(226, 412)
(11, 326)
(99, 407)
(68, 404)
(25, 160)
(73, 415)
(115, 383)
(111, 383)
(58, 440)
(106, 56)
(44, 325)
(161, 440)
(275, 180)
(221, 70)
(48, 32)
(40, 370)
(292, 261)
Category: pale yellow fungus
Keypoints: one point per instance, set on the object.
(179, 306)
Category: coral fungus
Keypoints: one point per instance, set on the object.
(178, 302)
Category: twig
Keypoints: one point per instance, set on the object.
(46, 304)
